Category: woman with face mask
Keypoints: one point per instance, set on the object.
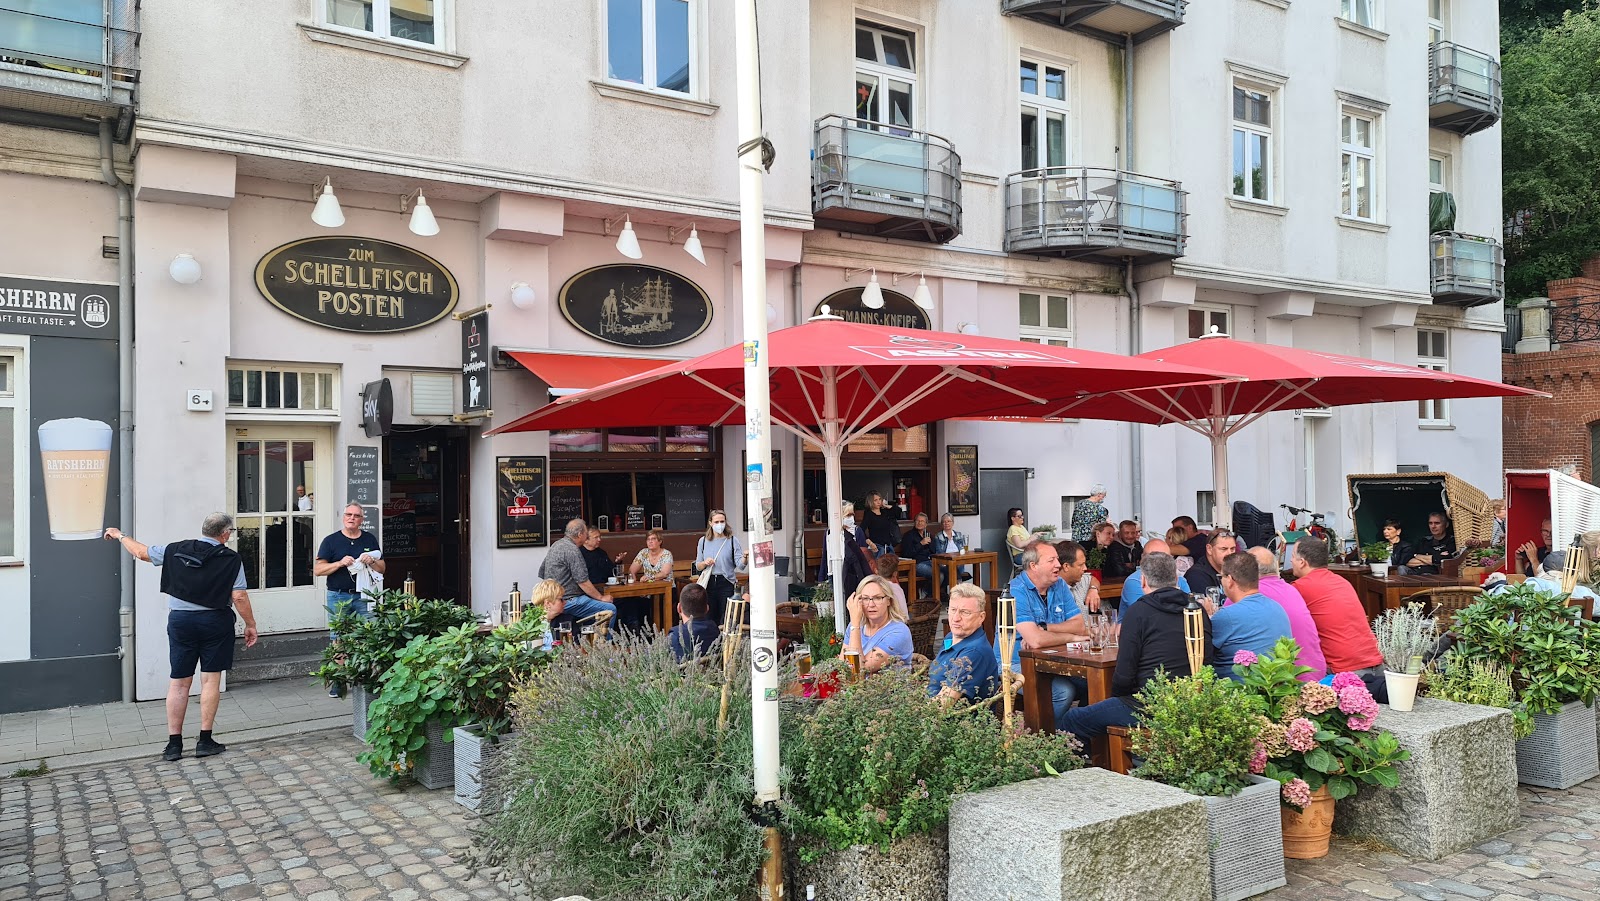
(856, 563)
(719, 551)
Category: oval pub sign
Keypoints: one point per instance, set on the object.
(635, 306)
(357, 284)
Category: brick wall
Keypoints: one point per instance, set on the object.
(1553, 433)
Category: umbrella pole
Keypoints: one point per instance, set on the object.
(1223, 512)
(833, 477)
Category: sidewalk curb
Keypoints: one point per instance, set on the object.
(66, 762)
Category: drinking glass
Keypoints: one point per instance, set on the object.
(802, 658)
(1113, 627)
(587, 633)
(1216, 596)
(1096, 631)
(563, 632)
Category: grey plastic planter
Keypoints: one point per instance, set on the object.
(1561, 752)
(361, 698)
(436, 764)
(1246, 842)
(473, 750)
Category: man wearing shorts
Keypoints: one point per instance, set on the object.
(204, 581)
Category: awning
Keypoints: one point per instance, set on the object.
(568, 373)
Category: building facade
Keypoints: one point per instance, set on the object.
(1118, 177)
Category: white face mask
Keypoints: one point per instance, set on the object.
(719, 527)
(849, 521)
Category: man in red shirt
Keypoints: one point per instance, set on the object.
(1347, 640)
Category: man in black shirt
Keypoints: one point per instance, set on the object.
(1122, 557)
(1194, 539)
(917, 544)
(340, 557)
(1152, 638)
(1205, 574)
(1430, 552)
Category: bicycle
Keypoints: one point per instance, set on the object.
(1317, 528)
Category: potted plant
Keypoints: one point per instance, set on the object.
(486, 698)
(1477, 562)
(1046, 531)
(1404, 635)
(1465, 680)
(1553, 657)
(442, 682)
(1317, 742)
(1377, 556)
(1095, 559)
(1199, 734)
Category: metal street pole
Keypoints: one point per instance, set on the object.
(753, 160)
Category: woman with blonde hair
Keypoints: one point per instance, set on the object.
(877, 630)
(547, 594)
(1180, 551)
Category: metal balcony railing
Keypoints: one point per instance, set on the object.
(66, 63)
(1466, 270)
(1107, 20)
(1463, 89)
(1575, 321)
(878, 179)
(1078, 211)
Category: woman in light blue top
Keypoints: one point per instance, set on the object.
(722, 553)
(876, 630)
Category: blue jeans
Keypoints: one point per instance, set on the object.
(1091, 722)
(583, 607)
(345, 600)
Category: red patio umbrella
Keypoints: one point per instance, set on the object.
(834, 380)
(1267, 378)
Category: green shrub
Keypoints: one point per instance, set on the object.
(367, 646)
(824, 642)
(617, 784)
(1376, 552)
(1451, 677)
(1551, 652)
(1199, 733)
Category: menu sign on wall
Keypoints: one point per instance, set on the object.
(357, 284)
(361, 482)
(635, 306)
(34, 306)
(475, 363)
(898, 311)
(520, 501)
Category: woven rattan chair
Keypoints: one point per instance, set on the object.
(1445, 603)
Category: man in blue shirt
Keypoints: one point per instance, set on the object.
(966, 668)
(1047, 614)
(1133, 586)
(1251, 621)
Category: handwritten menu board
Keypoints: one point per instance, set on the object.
(363, 483)
(686, 501)
(566, 500)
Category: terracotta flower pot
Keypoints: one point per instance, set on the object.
(1306, 833)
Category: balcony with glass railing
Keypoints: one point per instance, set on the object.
(1463, 89)
(1466, 270)
(878, 179)
(1075, 211)
(1107, 20)
(69, 63)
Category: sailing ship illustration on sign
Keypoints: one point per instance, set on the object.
(637, 311)
(635, 306)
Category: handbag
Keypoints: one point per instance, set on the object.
(704, 581)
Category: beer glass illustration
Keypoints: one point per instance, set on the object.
(75, 455)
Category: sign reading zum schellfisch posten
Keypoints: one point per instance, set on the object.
(357, 284)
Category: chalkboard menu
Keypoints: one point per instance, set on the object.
(400, 535)
(362, 485)
(566, 500)
(686, 502)
(635, 519)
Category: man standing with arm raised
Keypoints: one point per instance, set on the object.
(340, 556)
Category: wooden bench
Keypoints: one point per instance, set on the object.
(1119, 749)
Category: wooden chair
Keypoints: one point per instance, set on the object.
(1119, 750)
(1445, 603)
(1586, 603)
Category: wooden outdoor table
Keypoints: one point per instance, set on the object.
(1038, 711)
(1389, 592)
(663, 616)
(951, 564)
(1351, 574)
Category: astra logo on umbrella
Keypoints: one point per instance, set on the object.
(910, 347)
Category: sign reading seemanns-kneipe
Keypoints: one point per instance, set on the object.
(357, 284)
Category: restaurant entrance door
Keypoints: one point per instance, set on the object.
(426, 526)
(998, 491)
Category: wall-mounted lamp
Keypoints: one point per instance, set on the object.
(922, 297)
(692, 246)
(523, 295)
(967, 328)
(627, 241)
(422, 222)
(327, 212)
(184, 269)
(872, 294)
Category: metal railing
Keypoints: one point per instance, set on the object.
(1575, 321)
(89, 38)
(1466, 270)
(1463, 88)
(885, 179)
(1068, 208)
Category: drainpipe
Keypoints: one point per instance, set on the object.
(797, 559)
(1135, 316)
(108, 174)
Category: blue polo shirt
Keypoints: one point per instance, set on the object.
(1255, 622)
(978, 677)
(1056, 606)
(1133, 588)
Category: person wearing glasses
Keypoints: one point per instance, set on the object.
(339, 558)
(1532, 556)
(877, 629)
(966, 668)
(1206, 572)
(1017, 535)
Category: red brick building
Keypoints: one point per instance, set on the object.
(1559, 353)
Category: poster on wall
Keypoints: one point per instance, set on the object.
(475, 364)
(775, 512)
(961, 467)
(520, 508)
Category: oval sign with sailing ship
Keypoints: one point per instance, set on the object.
(635, 306)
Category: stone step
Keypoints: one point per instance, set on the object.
(282, 644)
(265, 669)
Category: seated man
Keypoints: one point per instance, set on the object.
(917, 544)
(1294, 606)
(1152, 639)
(1529, 557)
(1048, 615)
(1251, 621)
(1074, 562)
(965, 668)
(1206, 573)
(697, 633)
(1428, 554)
(948, 541)
(1348, 644)
(1122, 557)
(1133, 586)
(1194, 540)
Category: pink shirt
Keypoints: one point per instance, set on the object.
(1301, 626)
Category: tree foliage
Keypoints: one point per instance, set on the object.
(1518, 18)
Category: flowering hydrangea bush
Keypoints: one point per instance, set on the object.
(1314, 735)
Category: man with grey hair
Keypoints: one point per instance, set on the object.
(1088, 513)
(1301, 626)
(204, 584)
(340, 558)
(565, 564)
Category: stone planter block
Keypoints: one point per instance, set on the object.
(361, 699)
(1561, 752)
(1246, 842)
(1087, 835)
(1458, 789)
(915, 868)
(436, 763)
(472, 751)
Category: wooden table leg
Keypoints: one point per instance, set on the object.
(994, 574)
(1037, 712)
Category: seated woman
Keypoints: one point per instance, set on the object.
(654, 563)
(876, 630)
(1017, 535)
(1400, 550)
(1104, 534)
(1180, 551)
(888, 567)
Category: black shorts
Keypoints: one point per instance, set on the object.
(200, 636)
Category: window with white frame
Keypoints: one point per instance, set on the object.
(1043, 90)
(1361, 12)
(415, 21)
(1438, 30)
(1438, 174)
(1044, 319)
(1206, 320)
(1358, 164)
(1433, 352)
(279, 389)
(1205, 507)
(651, 44)
(13, 454)
(886, 75)
(1253, 168)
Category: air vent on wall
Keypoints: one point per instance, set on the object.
(433, 394)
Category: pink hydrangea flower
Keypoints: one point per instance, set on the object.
(1258, 760)
(1355, 700)
(1302, 735)
(1345, 680)
(1317, 698)
(1244, 658)
(1297, 792)
(1360, 723)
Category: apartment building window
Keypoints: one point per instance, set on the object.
(1361, 12)
(1438, 174)
(281, 390)
(13, 454)
(1358, 165)
(1253, 167)
(416, 21)
(1204, 319)
(1043, 90)
(1437, 29)
(1433, 352)
(651, 44)
(886, 75)
(1044, 319)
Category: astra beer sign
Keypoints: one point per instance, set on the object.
(357, 284)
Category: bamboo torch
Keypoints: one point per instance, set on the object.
(1577, 565)
(732, 634)
(1005, 633)
(1194, 635)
